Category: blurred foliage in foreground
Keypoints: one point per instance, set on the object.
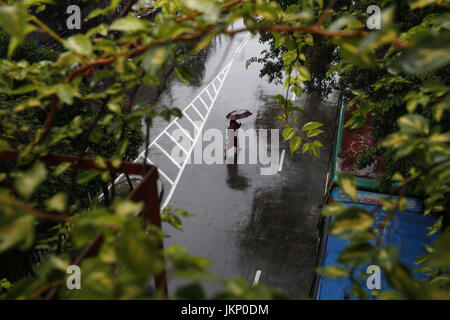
(130, 52)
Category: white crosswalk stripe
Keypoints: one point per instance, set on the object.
(159, 141)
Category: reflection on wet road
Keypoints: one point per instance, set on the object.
(245, 222)
(234, 179)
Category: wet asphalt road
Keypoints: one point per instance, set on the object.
(245, 222)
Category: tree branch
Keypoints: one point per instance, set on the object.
(126, 10)
(38, 214)
(325, 13)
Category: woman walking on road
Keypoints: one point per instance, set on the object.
(234, 125)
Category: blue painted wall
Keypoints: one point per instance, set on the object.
(407, 232)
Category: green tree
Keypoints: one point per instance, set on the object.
(32, 121)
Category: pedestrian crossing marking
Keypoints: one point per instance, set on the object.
(198, 127)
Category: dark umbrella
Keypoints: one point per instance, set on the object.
(238, 114)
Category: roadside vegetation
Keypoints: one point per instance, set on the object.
(54, 103)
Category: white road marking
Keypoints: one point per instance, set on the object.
(176, 142)
(257, 276)
(167, 155)
(209, 94)
(243, 43)
(240, 45)
(184, 111)
(204, 103)
(181, 167)
(282, 160)
(162, 173)
(198, 112)
(246, 41)
(184, 131)
(221, 76)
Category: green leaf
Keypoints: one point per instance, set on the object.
(206, 40)
(5, 285)
(311, 126)
(16, 231)
(441, 107)
(138, 252)
(96, 135)
(126, 208)
(13, 19)
(280, 98)
(350, 53)
(67, 93)
(295, 144)
(114, 107)
(173, 220)
(429, 54)
(317, 143)
(101, 29)
(79, 44)
(128, 24)
(57, 203)
(4, 145)
(306, 147)
(416, 4)
(156, 57)
(332, 272)
(288, 133)
(414, 123)
(87, 176)
(183, 213)
(103, 11)
(396, 140)
(348, 184)
(358, 291)
(210, 8)
(176, 112)
(309, 39)
(100, 162)
(116, 162)
(299, 109)
(333, 209)
(415, 99)
(441, 253)
(28, 181)
(61, 168)
(298, 90)
(303, 74)
(315, 150)
(64, 91)
(186, 74)
(267, 12)
(421, 259)
(352, 223)
(356, 254)
(314, 133)
(122, 147)
(437, 226)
